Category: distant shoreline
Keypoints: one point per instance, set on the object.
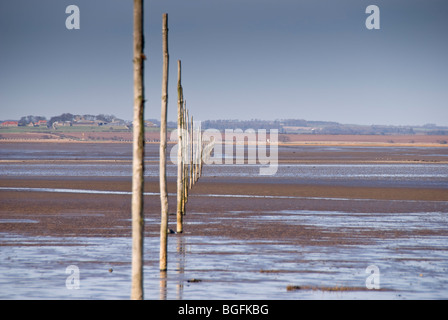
(284, 139)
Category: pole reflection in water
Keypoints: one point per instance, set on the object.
(180, 269)
(180, 266)
(162, 286)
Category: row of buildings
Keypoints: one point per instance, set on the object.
(75, 123)
(13, 123)
(9, 124)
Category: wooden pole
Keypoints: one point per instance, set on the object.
(180, 193)
(162, 162)
(191, 152)
(138, 156)
(196, 166)
(185, 159)
(201, 149)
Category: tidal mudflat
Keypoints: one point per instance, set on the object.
(316, 226)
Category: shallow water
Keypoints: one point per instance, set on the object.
(423, 175)
(119, 158)
(410, 267)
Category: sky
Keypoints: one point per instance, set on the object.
(241, 59)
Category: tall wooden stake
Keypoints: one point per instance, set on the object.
(201, 149)
(196, 154)
(180, 147)
(187, 151)
(163, 135)
(138, 156)
(185, 159)
(191, 152)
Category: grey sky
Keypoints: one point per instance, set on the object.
(242, 59)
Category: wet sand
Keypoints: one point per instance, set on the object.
(83, 214)
(65, 214)
(235, 208)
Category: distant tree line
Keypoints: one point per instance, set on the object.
(26, 120)
(283, 126)
(365, 130)
(303, 126)
(87, 117)
(62, 118)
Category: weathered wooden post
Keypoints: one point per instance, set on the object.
(197, 154)
(162, 161)
(191, 152)
(180, 193)
(138, 156)
(201, 146)
(185, 158)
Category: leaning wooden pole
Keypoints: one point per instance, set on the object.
(138, 156)
(180, 147)
(162, 161)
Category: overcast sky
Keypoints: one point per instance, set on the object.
(242, 59)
